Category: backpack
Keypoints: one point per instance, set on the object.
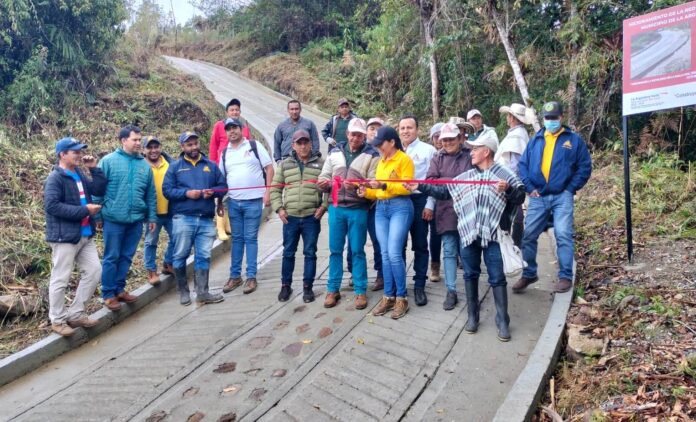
(255, 150)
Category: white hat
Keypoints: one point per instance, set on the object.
(473, 113)
(520, 112)
(357, 125)
(488, 139)
(375, 120)
(449, 130)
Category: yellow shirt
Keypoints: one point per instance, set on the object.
(547, 157)
(399, 166)
(158, 171)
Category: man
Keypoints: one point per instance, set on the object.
(479, 209)
(451, 161)
(282, 138)
(421, 153)
(218, 143)
(348, 217)
(130, 200)
(510, 151)
(159, 163)
(373, 126)
(70, 231)
(435, 242)
(300, 207)
(246, 165)
(475, 118)
(554, 166)
(336, 128)
(191, 184)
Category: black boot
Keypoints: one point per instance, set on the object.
(450, 300)
(202, 295)
(472, 305)
(307, 293)
(502, 319)
(182, 285)
(420, 297)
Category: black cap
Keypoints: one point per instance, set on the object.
(232, 122)
(552, 109)
(385, 133)
(150, 139)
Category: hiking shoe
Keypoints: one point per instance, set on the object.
(400, 308)
(153, 278)
(232, 284)
(562, 286)
(112, 304)
(307, 295)
(378, 284)
(184, 297)
(63, 329)
(82, 321)
(350, 281)
(124, 296)
(332, 299)
(450, 300)
(167, 269)
(360, 302)
(385, 305)
(420, 297)
(522, 283)
(250, 285)
(285, 292)
(206, 298)
(434, 271)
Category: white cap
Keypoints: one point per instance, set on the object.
(488, 139)
(357, 125)
(473, 113)
(449, 130)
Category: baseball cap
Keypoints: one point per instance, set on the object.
(357, 125)
(69, 144)
(435, 129)
(553, 109)
(147, 140)
(300, 134)
(186, 136)
(375, 120)
(343, 101)
(487, 139)
(385, 133)
(449, 130)
(230, 121)
(472, 113)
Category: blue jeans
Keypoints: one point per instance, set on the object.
(245, 219)
(120, 243)
(197, 232)
(392, 221)
(435, 242)
(471, 261)
(351, 222)
(375, 244)
(450, 248)
(308, 228)
(560, 206)
(152, 239)
(419, 241)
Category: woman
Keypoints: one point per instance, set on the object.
(393, 217)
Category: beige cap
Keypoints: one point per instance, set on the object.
(473, 113)
(449, 130)
(357, 125)
(488, 139)
(375, 120)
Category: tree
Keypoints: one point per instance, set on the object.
(428, 13)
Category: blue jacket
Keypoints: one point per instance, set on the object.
(571, 165)
(182, 176)
(64, 211)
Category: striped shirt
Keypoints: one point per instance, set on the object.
(85, 228)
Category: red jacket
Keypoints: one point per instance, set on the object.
(218, 140)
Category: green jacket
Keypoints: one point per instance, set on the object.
(130, 190)
(299, 199)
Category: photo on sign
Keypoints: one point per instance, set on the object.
(665, 50)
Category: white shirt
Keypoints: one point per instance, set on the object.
(421, 154)
(242, 169)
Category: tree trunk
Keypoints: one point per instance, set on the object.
(426, 10)
(512, 57)
(572, 112)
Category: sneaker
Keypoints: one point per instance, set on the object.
(112, 304)
(124, 296)
(450, 301)
(63, 329)
(167, 269)
(307, 295)
(385, 305)
(332, 299)
(250, 285)
(562, 286)
(232, 284)
(285, 292)
(207, 298)
(400, 308)
(83, 322)
(378, 284)
(523, 283)
(153, 278)
(360, 302)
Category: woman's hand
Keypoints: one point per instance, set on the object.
(411, 186)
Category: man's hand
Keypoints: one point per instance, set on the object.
(193, 194)
(152, 227)
(361, 191)
(89, 161)
(323, 183)
(502, 186)
(267, 198)
(427, 214)
(220, 209)
(374, 184)
(319, 213)
(331, 141)
(93, 208)
(99, 225)
(283, 215)
(208, 193)
(410, 186)
(534, 194)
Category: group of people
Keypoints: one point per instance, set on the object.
(376, 179)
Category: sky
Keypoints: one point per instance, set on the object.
(183, 10)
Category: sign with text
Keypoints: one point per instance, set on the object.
(659, 60)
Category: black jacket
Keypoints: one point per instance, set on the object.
(64, 212)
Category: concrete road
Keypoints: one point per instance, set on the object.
(258, 359)
(645, 62)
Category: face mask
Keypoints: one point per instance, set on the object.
(552, 125)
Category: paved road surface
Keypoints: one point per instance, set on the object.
(263, 360)
(645, 62)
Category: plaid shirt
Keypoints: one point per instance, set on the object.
(479, 207)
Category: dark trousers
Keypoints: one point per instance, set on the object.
(419, 241)
(375, 245)
(435, 242)
(308, 228)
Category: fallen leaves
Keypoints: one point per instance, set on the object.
(226, 367)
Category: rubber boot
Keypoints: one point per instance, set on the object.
(182, 285)
(502, 319)
(202, 294)
(472, 306)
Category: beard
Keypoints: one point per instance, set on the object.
(193, 154)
